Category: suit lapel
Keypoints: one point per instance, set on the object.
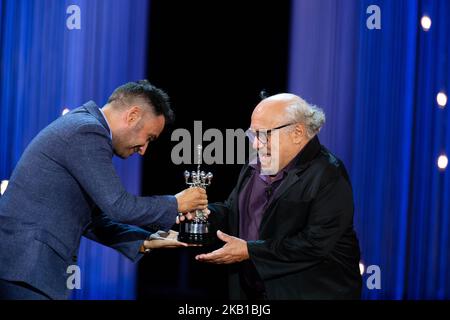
(292, 178)
(243, 178)
(303, 161)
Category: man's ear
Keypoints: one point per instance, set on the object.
(133, 115)
(298, 133)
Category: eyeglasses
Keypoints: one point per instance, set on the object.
(263, 135)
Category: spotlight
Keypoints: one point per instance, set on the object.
(3, 186)
(441, 99)
(65, 111)
(442, 162)
(426, 23)
(361, 268)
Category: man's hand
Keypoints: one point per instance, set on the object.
(191, 215)
(192, 199)
(234, 250)
(170, 241)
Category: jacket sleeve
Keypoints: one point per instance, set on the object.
(88, 158)
(124, 238)
(219, 214)
(330, 215)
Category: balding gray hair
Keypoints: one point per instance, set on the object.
(312, 117)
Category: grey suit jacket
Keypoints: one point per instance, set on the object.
(63, 187)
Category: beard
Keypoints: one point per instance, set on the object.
(123, 146)
(118, 150)
(269, 162)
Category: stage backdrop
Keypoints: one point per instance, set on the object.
(55, 55)
(378, 88)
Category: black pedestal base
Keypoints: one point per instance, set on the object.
(195, 233)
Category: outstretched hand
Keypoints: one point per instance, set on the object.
(167, 240)
(235, 250)
(190, 215)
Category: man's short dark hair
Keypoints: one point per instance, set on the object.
(156, 98)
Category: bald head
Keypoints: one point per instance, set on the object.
(288, 122)
(271, 112)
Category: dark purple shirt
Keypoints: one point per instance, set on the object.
(254, 198)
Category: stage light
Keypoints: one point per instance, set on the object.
(65, 110)
(361, 268)
(3, 186)
(442, 162)
(441, 99)
(426, 23)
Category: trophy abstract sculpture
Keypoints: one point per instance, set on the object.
(197, 230)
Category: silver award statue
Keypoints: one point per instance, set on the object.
(197, 230)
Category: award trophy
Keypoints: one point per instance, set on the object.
(197, 230)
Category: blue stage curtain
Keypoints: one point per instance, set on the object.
(378, 89)
(45, 67)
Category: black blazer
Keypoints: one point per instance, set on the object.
(308, 248)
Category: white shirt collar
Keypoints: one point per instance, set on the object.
(109, 127)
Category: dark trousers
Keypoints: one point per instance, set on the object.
(251, 284)
(12, 290)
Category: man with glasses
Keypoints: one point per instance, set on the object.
(289, 220)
